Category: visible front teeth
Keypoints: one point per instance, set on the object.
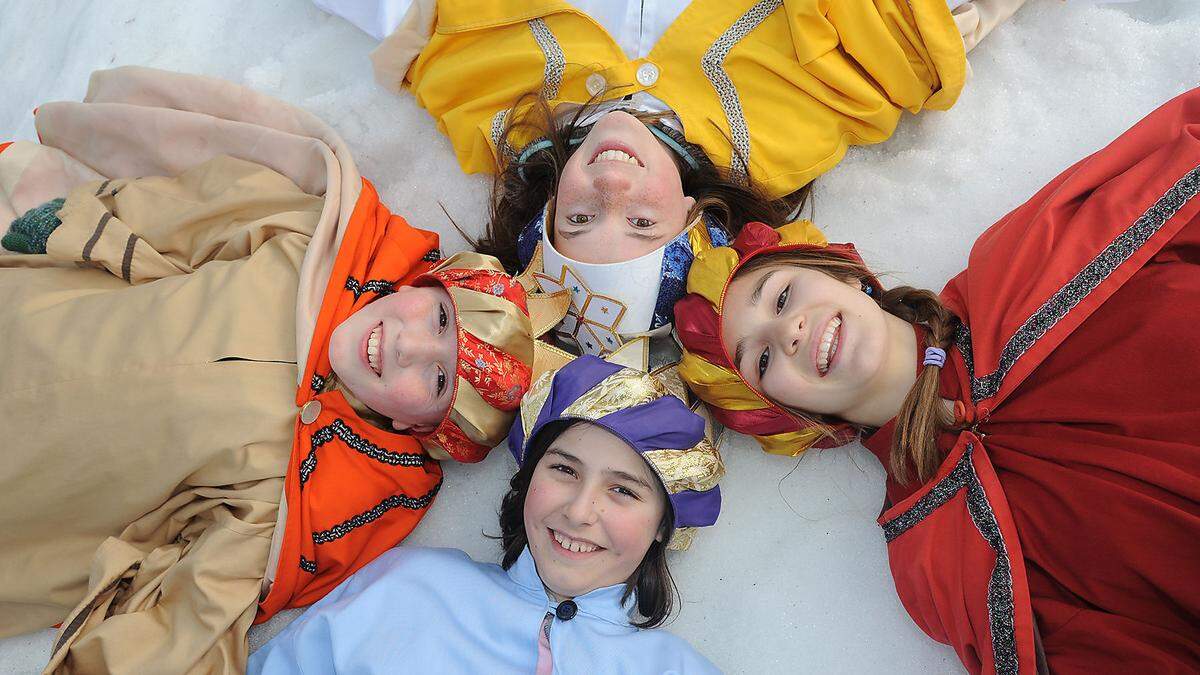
(373, 350)
(616, 156)
(829, 344)
(573, 545)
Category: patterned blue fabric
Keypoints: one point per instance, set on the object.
(677, 260)
(529, 238)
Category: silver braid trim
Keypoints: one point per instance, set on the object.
(1000, 597)
(1087, 280)
(556, 63)
(713, 65)
(503, 149)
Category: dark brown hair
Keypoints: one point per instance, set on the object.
(522, 188)
(652, 579)
(922, 416)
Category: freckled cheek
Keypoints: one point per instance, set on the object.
(632, 535)
(399, 395)
(665, 183)
(537, 503)
(531, 512)
(569, 183)
(533, 499)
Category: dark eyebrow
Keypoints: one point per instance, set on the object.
(631, 478)
(564, 454)
(646, 237)
(757, 294)
(754, 298)
(612, 472)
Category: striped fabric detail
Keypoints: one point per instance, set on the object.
(713, 65)
(95, 238)
(127, 259)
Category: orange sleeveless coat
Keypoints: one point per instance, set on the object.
(352, 490)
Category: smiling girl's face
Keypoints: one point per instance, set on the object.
(592, 510)
(399, 356)
(805, 339)
(620, 195)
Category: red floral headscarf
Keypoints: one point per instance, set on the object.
(495, 355)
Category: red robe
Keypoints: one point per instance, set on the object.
(1065, 522)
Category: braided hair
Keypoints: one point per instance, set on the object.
(922, 416)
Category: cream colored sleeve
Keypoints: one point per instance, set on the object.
(178, 590)
(976, 18)
(396, 53)
(149, 228)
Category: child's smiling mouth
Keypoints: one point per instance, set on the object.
(572, 547)
(371, 349)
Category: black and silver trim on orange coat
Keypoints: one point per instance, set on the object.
(340, 430)
(380, 287)
(375, 513)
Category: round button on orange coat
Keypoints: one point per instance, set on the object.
(310, 412)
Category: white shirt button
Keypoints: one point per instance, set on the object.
(310, 412)
(647, 74)
(596, 84)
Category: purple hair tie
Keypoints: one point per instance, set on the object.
(935, 357)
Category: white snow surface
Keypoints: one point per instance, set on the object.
(794, 577)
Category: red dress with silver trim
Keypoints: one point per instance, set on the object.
(1065, 523)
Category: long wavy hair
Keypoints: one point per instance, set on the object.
(651, 581)
(914, 451)
(522, 188)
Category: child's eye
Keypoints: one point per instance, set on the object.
(563, 468)
(443, 318)
(763, 361)
(783, 298)
(641, 223)
(625, 492)
(578, 219)
(441, 381)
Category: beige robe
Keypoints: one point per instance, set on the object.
(151, 364)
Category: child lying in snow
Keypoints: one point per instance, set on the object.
(154, 419)
(626, 137)
(601, 494)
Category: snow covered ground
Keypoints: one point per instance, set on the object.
(794, 578)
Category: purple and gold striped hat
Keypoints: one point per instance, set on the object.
(639, 409)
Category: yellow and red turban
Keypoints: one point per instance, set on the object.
(495, 355)
(707, 367)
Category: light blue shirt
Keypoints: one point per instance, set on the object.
(437, 610)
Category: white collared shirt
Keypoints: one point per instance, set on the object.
(635, 25)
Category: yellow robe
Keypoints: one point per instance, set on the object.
(778, 88)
